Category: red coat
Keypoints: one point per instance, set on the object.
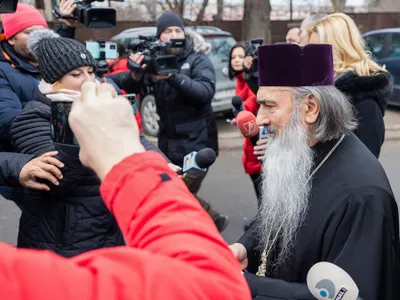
(173, 251)
(118, 66)
(250, 162)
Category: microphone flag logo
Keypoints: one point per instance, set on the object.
(250, 127)
(328, 290)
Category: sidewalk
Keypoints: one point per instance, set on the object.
(230, 137)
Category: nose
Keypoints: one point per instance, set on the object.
(86, 76)
(262, 118)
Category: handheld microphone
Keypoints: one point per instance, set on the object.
(199, 161)
(237, 103)
(328, 281)
(246, 122)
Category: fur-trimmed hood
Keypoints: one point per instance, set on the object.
(198, 42)
(358, 88)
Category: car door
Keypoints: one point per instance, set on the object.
(392, 62)
(385, 48)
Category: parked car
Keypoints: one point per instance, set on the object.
(221, 42)
(384, 44)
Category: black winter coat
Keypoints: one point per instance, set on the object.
(369, 95)
(187, 122)
(71, 218)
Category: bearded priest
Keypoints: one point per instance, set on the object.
(325, 195)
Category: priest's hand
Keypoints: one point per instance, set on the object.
(240, 252)
(260, 149)
(104, 126)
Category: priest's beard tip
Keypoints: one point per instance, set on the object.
(285, 189)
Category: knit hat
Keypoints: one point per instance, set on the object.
(168, 19)
(56, 55)
(24, 17)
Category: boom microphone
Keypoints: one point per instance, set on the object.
(328, 281)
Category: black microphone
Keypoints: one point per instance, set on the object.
(196, 163)
(237, 103)
(195, 166)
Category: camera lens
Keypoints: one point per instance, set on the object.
(112, 47)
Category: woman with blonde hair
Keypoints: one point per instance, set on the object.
(366, 84)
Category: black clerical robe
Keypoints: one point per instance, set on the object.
(352, 221)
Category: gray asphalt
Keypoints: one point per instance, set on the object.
(226, 187)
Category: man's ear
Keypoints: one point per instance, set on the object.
(312, 109)
(11, 41)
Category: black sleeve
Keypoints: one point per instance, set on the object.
(200, 88)
(11, 165)
(249, 238)
(371, 128)
(125, 82)
(150, 146)
(252, 82)
(65, 31)
(264, 288)
(38, 141)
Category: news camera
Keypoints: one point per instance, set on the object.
(155, 59)
(8, 6)
(251, 49)
(91, 17)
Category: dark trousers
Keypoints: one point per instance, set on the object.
(257, 181)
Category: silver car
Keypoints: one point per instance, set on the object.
(221, 43)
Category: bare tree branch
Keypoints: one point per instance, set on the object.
(200, 15)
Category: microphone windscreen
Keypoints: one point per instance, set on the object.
(246, 122)
(328, 281)
(237, 102)
(205, 158)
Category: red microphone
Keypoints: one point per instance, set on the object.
(246, 122)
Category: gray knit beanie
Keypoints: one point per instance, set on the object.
(56, 55)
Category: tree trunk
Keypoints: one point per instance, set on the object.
(256, 22)
(220, 10)
(200, 15)
(339, 5)
(39, 4)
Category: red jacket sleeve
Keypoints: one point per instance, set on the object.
(175, 251)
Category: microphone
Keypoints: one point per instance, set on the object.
(328, 281)
(199, 161)
(246, 122)
(237, 103)
(195, 166)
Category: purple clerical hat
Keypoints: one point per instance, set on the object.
(293, 65)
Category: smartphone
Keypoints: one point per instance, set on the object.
(132, 100)
(95, 48)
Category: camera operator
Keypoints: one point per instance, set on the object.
(19, 75)
(183, 100)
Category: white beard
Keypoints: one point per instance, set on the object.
(285, 189)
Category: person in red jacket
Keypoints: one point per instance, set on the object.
(173, 251)
(251, 163)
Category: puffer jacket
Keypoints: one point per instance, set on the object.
(71, 218)
(251, 164)
(369, 96)
(183, 101)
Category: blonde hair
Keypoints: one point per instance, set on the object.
(349, 53)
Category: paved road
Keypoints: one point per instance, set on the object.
(227, 187)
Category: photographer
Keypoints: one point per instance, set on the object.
(183, 100)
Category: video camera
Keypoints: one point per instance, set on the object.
(156, 61)
(91, 17)
(251, 49)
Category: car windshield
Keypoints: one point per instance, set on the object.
(221, 47)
